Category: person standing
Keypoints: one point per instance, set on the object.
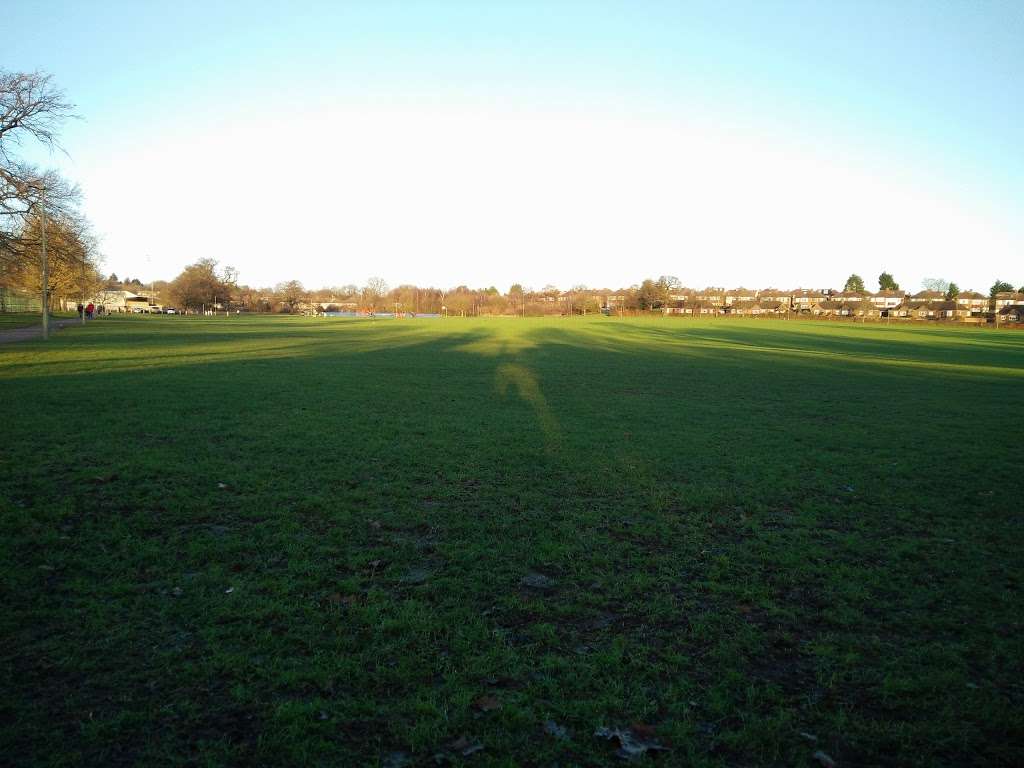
(81, 309)
(89, 310)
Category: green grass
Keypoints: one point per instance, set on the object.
(303, 541)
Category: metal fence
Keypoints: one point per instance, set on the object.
(17, 301)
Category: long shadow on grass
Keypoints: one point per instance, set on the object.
(842, 346)
(136, 347)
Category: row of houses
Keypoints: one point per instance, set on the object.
(924, 305)
(741, 302)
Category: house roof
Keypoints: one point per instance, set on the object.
(914, 306)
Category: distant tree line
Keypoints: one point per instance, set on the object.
(949, 289)
(205, 284)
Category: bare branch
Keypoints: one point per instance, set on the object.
(30, 107)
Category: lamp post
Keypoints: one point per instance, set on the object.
(46, 271)
(82, 291)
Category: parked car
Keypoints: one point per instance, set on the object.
(170, 311)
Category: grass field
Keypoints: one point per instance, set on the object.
(352, 542)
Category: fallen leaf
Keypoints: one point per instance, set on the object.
(487, 704)
(554, 729)
(632, 746)
(603, 621)
(229, 590)
(222, 486)
(416, 576)
(538, 581)
(808, 736)
(499, 682)
(824, 760)
(465, 747)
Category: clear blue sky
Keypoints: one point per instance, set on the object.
(598, 142)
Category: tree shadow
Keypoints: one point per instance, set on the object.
(972, 354)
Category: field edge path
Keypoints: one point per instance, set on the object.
(34, 331)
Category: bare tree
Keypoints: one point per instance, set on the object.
(30, 104)
(373, 294)
(32, 108)
(291, 294)
(670, 283)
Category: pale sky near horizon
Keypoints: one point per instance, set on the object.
(486, 143)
